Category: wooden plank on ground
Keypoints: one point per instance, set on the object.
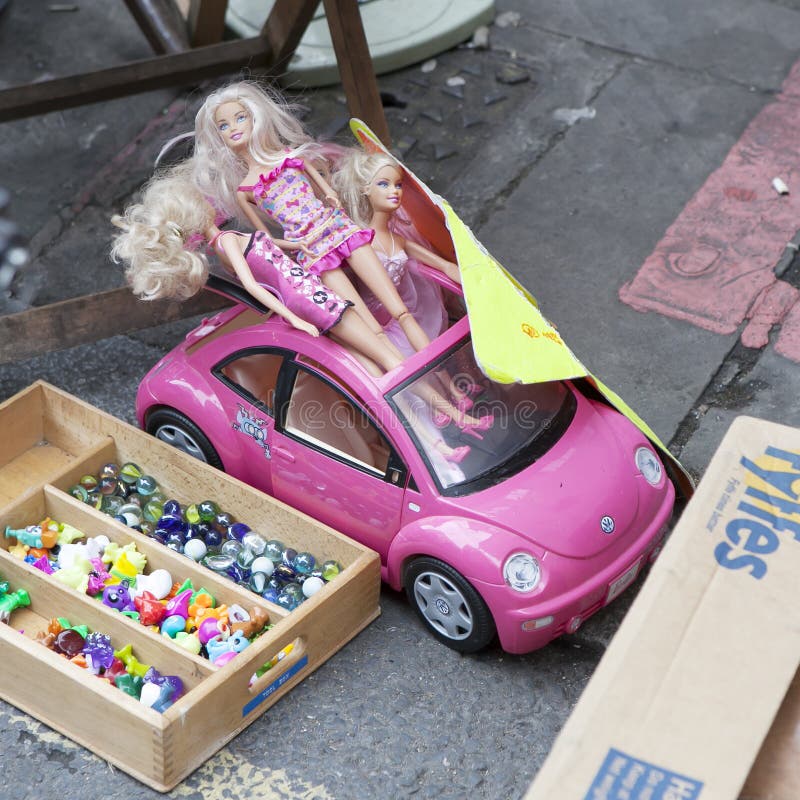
(90, 318)
(285, 26)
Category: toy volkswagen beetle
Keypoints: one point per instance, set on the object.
(544, 518)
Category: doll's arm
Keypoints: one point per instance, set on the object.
(328, 193)
(250, 212)
(237, 261)
(422, 254)
(258, 223)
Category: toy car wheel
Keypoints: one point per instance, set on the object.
(175, 429)
(449, 605)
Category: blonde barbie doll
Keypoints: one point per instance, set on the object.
(253, 156)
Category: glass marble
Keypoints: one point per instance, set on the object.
(254, 543)
(213, 539)
(195, 549)
(111, 504)
(312, 585)
(287, 601)
(110, 470)
(158, 497)
(294, 590)
(284, 573)
(245, 558)
(146, 485)
(222, 522)
(170, 524)
(191, 514)
(219, 562)
(231, 547)
(271, 594)
(262, 564)
(147, 527)
(152, 511)
(236, 573)
(130, 473)
(78, 492)
(133, 509)
(304, 563)
(238, 530)
(107, 485)
(208, 510)
(172, 508)
(330, 569)
(175, 542)
(273, 550)
(257, 582)
(288, 555)
(88, 482)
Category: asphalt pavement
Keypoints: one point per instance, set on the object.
(570, 146)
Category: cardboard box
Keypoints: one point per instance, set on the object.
(690, 686)
(49, 439)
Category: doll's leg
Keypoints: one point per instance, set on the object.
(338, 282)
(368, 267)
(353, 331)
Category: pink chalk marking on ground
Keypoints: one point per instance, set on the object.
(714, 267)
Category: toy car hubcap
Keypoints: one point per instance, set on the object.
(177, 437)
(443, 605)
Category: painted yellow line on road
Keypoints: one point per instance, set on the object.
(225, 776)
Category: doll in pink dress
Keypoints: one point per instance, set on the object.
(254, 160)
(371, 188)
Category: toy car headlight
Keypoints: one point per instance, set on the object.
(521, 572)
(649, 465)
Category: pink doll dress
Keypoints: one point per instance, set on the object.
(299, 290)
(287, 197)
(420, 295)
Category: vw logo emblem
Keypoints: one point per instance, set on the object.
(607, 525)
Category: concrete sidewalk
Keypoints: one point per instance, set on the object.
(571, 146)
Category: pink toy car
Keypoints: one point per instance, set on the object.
(546, 518)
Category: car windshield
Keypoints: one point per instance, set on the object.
(464, 455)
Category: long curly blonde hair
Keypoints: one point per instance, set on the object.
(277, 134)
(154, 233)
(353, 174)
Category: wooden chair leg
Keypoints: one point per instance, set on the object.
(355, 65)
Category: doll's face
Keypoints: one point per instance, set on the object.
(234, 124)
(385, 191)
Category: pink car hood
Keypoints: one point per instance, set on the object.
(559, 501)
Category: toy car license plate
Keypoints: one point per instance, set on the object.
(618, 586)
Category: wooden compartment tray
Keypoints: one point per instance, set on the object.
(49, 439)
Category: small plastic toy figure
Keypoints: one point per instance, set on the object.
(11, 601)
(251, 153)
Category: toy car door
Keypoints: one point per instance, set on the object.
(331, 460)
